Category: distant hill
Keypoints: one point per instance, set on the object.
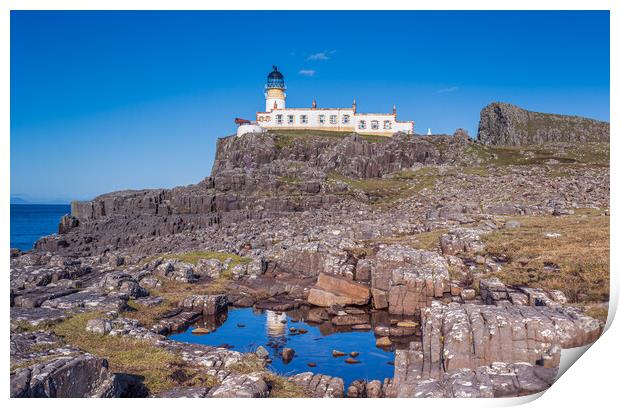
(502, 124)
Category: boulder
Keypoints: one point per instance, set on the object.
(251, 385)
(319, 385)
(332, 290)
(74, 376)
(287, 354)
(99, 326)
(206, 304)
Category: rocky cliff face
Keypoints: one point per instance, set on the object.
(503, 124)
(253, 177)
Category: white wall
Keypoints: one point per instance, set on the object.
(313, 120)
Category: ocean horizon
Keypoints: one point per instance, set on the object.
(30, 222)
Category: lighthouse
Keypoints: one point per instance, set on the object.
(275, 97)
(346, 119)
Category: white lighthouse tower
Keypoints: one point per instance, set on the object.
(275, 96)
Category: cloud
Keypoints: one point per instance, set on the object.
(446, 90)
(319, 56)
(307, 72)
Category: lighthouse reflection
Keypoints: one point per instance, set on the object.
(275, 323)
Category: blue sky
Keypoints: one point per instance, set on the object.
(104, 101)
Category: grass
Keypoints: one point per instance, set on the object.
(282, 387)
(194, 257)
(577, 262)
(387, 190)
(128, 355)
(593, 154)
(428, 241)
(249, 363)
(597, 312)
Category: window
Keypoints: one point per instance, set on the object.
(333, 119)
(304, 119)
(362, 124)
(345, 119)
(374, 124)
(260, 118)
(267, 118)
(387, 124)
(291, 119)
(321, 119)
(279, 119)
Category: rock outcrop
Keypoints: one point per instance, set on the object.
(502, 124)
(405, 280)
(332, 290)
(475, 343)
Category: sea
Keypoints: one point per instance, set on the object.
(29, 222)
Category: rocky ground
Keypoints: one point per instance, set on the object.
(480, 262)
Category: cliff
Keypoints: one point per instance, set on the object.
(503, 124)
(254, 177)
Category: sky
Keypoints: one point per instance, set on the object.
(104, 101)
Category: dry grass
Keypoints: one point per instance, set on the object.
(249, 363)
(385, 191)
(194, 257)
(124, 354)
(282, 387)
(577, 262)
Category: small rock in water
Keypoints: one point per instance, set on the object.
(287, 354)
(292, 330)
(302, 331)
(201, 330)
(240, 325)
(383, 342)
(226, 346)
(294, 320)
(354, 354)
(390, 363)
(351, 361)
(283, 321)
(311, 364)
(338, 353)
(261, 352)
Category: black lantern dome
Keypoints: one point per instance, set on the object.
(275, 79)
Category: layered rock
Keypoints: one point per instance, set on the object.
(405, 280)
(332, 290)
(477, 341)
(503, 124)
(63, 377)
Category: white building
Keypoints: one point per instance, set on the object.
(278, 116)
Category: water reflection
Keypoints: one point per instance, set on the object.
(312, 338)
(276, 323)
